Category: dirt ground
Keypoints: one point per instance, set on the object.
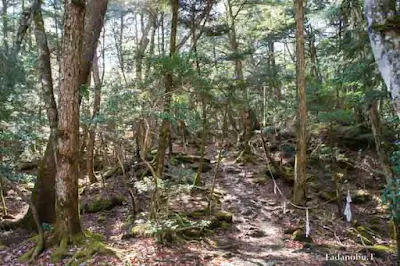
(258, 234)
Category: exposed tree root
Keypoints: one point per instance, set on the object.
(88, 244)
(33, 253)
(245, 157)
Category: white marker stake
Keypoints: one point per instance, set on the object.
(307, 224)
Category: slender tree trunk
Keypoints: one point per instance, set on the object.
(299, 190)
(92, 129)
(151, 48)
(94, 21)
(4, 17)
(119, 47)
(383, 30)
(67, 210)
(377, 130)
(233, 42)
(43, 194)
(143, 43)
(165, 125)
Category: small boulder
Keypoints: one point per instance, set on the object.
(299, 235)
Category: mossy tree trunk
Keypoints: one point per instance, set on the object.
(67, 211)
(299, 190)
(43, 195)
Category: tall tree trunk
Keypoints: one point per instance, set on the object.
(96, 111)
(165, 125)
(4, 17)
(43, 195)
(274, 80)
(299, 190)
(384, 35)
(94, 21)
(67, 211)
(119, 48)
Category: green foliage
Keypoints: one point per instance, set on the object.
(391, 194)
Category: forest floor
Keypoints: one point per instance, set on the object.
(261, 232)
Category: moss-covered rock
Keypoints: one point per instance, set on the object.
(103, 204)
(224, 216)
(299, 235)
(361, 197)
(2, 247)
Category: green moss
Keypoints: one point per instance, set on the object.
(95, 236)
(300, 236)
(379, 250)
(224, 225)
(361, 197)
(224, 216)
(140, 230)
(199, 213)
(61, 251)
(391, 24)
(364, 235)
(2, 247)
(101, 204)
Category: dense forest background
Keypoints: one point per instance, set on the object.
(235, 131)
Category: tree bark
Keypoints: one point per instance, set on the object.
(4, 17)
(43, 194)
(94, 21)
(384, 34)
(165, 127)
(151, 48)
(93, 125)
(67, 211)
(299, 190)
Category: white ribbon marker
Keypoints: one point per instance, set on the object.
(347, 209)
